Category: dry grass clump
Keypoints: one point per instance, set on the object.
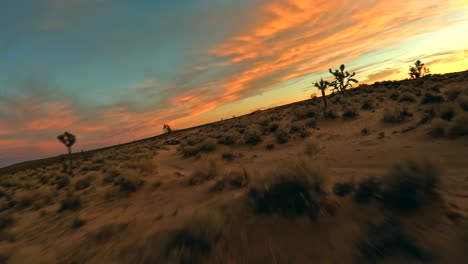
(295, 189)
(453, 92)
(431, 98)
(229, 138)
(394, 95)
(62, 181)
(145, 164)
(78, 222)
(235, 179)
(407, 97)
(70, 203)
(462, 101)
(282, 134)
(273, 126)
(368, 104)
(206, 171)
(366, 189)
(302, 112)
(438, 127)
(6, 220)
(410, 185)
(129, 181)
(446, 111)
(396, 115)
(458, 126)
(195, 239)
(253, 134)
(349, 112)
(299, 128)
(330, 113)
(343, 188)
(194, 145)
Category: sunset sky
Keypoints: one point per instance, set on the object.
(112, 71)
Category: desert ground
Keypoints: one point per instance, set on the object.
(380, 176)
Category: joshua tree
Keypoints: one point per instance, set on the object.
(167, 129)
(418, 70)
(68, 140)
(322, 86)
(343, 79)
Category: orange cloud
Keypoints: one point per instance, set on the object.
(302, 36)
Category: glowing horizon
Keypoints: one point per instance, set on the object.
(114, 71)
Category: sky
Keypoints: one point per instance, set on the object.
(114, 71)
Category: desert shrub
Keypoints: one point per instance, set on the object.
(453, 93)
(194, 145)
(458, 126)
(396, 115)
(195, 238)
(446, 111)
(25, 199)
(302, 112)
(273, 126)
(282, 134)
(330, 113)
(229, 138)
(110, 176)
(253, 134)
(365, 131)
(349, 112)
(70, 203)
(299, 127)
(431, 98)
(82, 184)
(206, 171)
(62, 181)
(310, 122)
(438, 127)
(77, 223)
(208, 144)
(270, 146)
(290, 190)
(342, 188)
(368, 104)
(128, 181)
(229, 156)
(394, 95)
(407, 97)
(236, 178)
(6, 220)
(366, 189)
(410, 185)
(463, 102)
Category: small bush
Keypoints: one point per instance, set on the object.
(438, 127)
(453, 93)
(368, 104)
(110, 176)
(6, 220)
(366, 190)
(229, 156)
(299, 127)
(395, 95)
(463, 102)
(396, 115)
(272, 127)
(236, 178)
(70, 203)
(253, 134)
(349, 112)
(459, 126)
(431, 98)
(342, 188)
(129, 181)
(407, 97)
(77, 223)
(446, 111)
(62, 181)
(290, 190)
(282, 134)
(229, 138)
(206, 171)
(82, 184)
(410, 184)
(195, 238)
(270, 146)
(330, 114)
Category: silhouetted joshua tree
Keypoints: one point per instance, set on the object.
(167, 129)
(68, 140)
(343, 79)
(418, 70)
(322, 86)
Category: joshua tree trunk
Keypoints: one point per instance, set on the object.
(70, 160)
(324, 99)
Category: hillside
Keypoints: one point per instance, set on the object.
(381, 176)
